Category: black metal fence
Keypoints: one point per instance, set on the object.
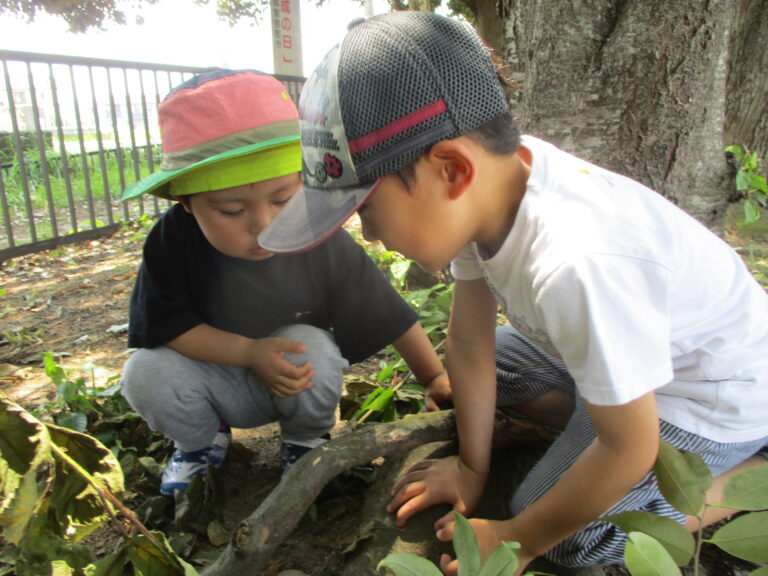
(74, 132)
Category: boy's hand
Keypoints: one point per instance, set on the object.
(430, 482)
(267, 359)
(488, 534)
(438, 392)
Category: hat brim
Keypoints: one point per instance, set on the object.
(311, 216)
(158, 183)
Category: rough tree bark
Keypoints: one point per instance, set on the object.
(637, 86)
(489, 22)
(746, 109)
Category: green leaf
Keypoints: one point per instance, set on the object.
(399, 271)
(743, 180)
(386, 372)
(378, 401)
(747, 490)
(736, 151)
(46, 541)
(745, 537)
(149, 560)
(759, 183)
(61, 568)
(751, 213)
(409, 565)
(683, 478)
(669, 533)
(465, 544)
(644, 556)
(112, 565)
(74, 499)
(52, 370)
(76, 421)
(503, 561)
(26, 469)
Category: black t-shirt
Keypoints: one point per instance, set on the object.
(183, 282)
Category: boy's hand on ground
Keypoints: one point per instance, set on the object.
(267, 360)
(438, 393)
(430, 482)
(488, 537)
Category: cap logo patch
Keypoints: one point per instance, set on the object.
(333, 166)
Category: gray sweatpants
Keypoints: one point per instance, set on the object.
(186, 400)
(525, 372)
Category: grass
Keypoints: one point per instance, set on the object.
(78, 191)
(750, 240)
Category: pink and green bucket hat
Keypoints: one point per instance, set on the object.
(213, 125)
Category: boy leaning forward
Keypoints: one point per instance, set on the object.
(629, 320)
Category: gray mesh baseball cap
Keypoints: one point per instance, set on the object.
(396, 85)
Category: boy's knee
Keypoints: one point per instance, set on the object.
(144, 372)
(321, 345)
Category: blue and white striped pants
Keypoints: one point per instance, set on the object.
(525, 372)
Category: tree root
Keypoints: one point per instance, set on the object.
(257, 537)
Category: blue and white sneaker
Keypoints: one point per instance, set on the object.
(218, 450)
(184, 466)
(291, 452)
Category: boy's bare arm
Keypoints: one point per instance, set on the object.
(471, 360)
(459, 480)
(263, 355)
(417, 351)
(623, 452)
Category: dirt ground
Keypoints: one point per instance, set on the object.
(73, 302)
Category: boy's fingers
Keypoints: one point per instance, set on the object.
(448, 565)
(290, 346)
(283, 386)
(412, 506)
(287, 370)
(405, 493)
(411, 477)
(445, 521)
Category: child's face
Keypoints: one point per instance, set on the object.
(231, 219)
(414, 219)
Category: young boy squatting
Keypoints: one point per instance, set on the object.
(227, 333)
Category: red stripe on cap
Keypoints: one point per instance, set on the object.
(398, 126)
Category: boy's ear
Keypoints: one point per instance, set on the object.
(184, 201)
(456, 165)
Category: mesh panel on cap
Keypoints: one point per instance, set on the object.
(399, 63)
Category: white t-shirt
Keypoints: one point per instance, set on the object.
(633, 295)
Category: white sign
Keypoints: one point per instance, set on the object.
(286, 37)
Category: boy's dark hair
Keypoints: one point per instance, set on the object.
(498, 136)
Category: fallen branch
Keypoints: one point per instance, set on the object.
(257, 537)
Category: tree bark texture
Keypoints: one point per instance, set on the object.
(637, 86)
(746, 110)
(489, 22)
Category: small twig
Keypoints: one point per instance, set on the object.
(107, 495)
(112, 517)
(394, 388)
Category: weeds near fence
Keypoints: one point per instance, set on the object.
(81, 190)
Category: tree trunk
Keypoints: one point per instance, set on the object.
(637, 86)
(489, 22)
(746, 106)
